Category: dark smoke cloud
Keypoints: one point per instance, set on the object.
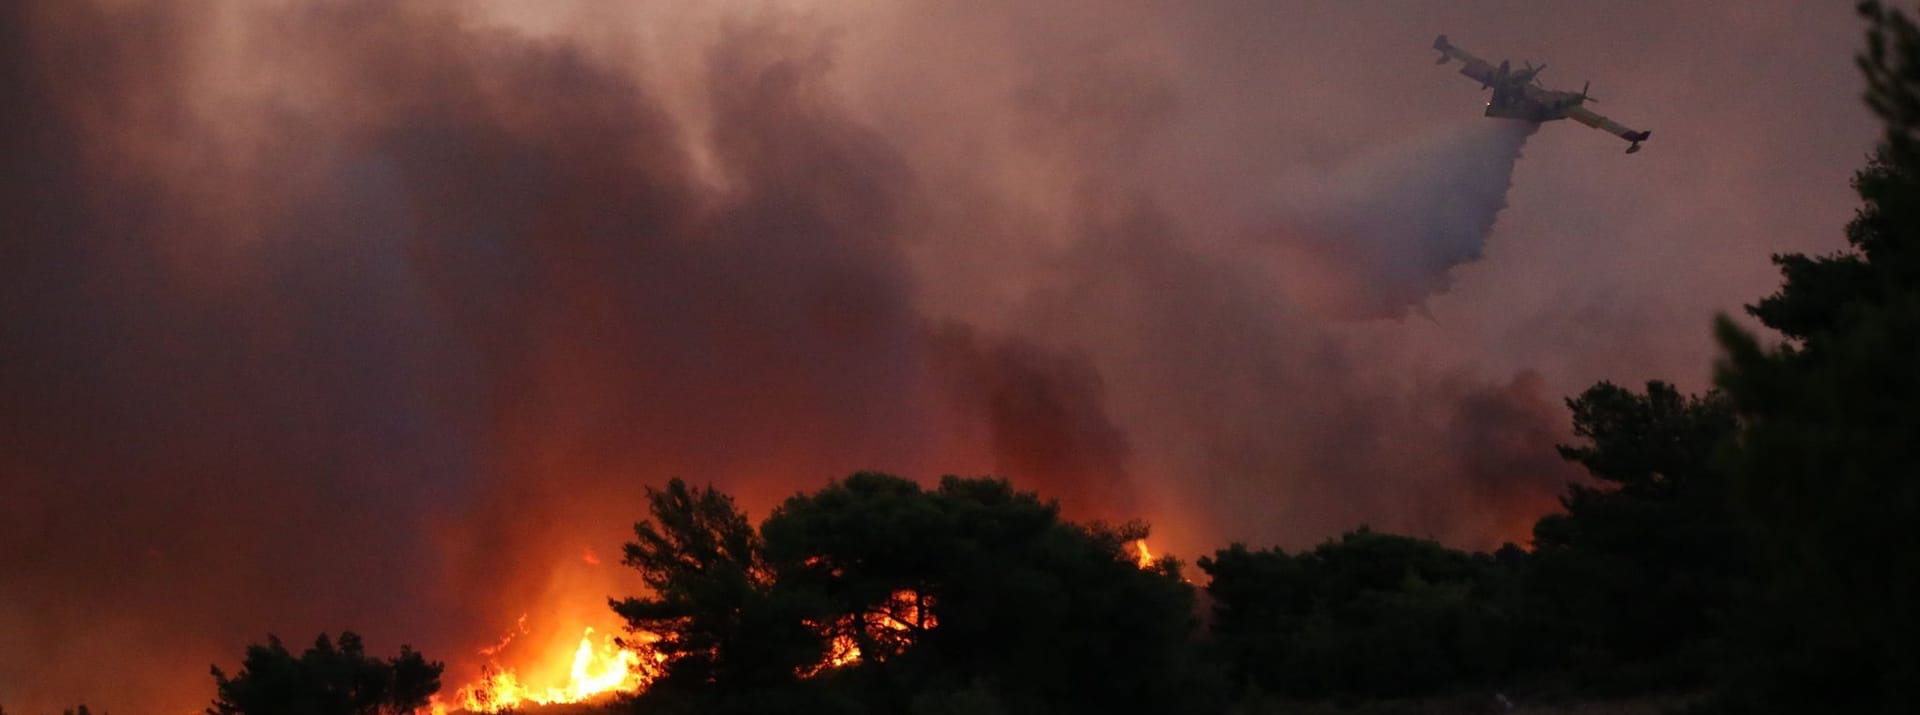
(378, 315)
(1044, 414)
(406, 347)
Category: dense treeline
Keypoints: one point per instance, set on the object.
(1759, 543)
(1626, 591)
(325, 679)
(971, 597)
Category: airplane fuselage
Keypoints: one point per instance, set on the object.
(1518, 95)
(1519, 101)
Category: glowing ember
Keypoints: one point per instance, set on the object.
(894, 625)
(842, 651)
(595, 670)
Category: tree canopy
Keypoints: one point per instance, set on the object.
(876, 595)
(1368, 614)
(326, 679)
(1827, 466)
(1631, 582)
(710, 599)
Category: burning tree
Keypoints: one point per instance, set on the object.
(875, 594)
(719, 620)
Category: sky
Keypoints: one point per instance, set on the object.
(381, 316)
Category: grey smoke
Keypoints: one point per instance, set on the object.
(1395, 221)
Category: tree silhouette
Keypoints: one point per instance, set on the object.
(327, 679)
(1630, 583)
(971, 597)
(1056, 616)
(1368, 614)
(712, 601)
(1828, 465)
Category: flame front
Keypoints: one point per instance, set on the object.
(609, 666)
(596, 670)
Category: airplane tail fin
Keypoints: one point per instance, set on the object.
(1446, 49)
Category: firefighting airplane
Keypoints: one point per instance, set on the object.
(1517, 95)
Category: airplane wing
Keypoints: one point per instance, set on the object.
(1587, 117)
(1472, 66)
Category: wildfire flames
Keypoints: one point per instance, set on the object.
(890, 627)
(596, 670)
(606, 666)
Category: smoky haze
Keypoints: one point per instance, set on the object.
(1379, 234)
(323, 315)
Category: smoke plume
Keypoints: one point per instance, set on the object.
(1390, 225)
(323, 315)
(1043, 413)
